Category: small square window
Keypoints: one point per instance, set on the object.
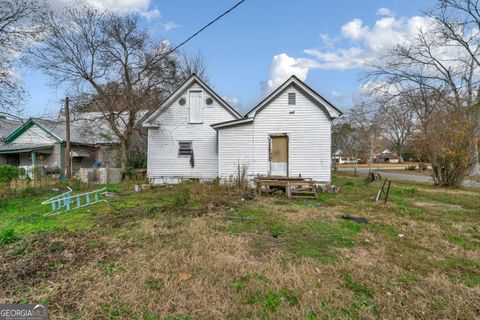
(292, 98)
(184, 148)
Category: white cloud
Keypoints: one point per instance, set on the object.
(151, 14)
(234, 102)
(356, 46)
(384, 12)
(283, 67)
(354, 29)
(370, 42)
(328, 41)
(169, 26)
(337, 95)
(142, 7)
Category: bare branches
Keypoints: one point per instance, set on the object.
(114, 59)
(18, 28)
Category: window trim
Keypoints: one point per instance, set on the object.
(179, 148)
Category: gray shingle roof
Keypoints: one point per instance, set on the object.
(7, 126)
(81, 131)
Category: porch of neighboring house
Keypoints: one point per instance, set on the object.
(27, 156)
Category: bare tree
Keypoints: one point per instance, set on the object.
(458, 21)
(192, 64)
(367, 129)
(348, 140)
(18, 28)
(440, 105)
(112, 57)
(397, 121)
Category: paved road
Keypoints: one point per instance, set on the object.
(404, 176)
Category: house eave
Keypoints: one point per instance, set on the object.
(293, 80)
(231, 123)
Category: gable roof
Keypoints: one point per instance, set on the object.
(7, 126)
(323, 103)
(146, 122)
(27, 125)
(80, 133)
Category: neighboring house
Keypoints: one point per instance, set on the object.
(287, 134)
(41, 143)
(181, 142)
(386, 156)
(340, 158)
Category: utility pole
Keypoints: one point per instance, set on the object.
(68, 160)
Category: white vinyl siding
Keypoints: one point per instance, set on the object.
(164, 164)
(196, 106)
(309, 139)
(235, 150)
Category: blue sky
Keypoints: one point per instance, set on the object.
(261, 43)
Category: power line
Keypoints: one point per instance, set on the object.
(201, 29)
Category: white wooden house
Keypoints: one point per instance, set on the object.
(286, 134)
(181, 142)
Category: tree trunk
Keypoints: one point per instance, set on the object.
(124, 147)
(474, 161)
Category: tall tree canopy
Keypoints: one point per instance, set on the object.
(115, 60)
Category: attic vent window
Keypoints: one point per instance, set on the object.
(182, 101)
(184, 148)
(195, 102)
(209, 101)
(292, 98)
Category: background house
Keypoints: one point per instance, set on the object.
(40, 143)
(386, 156)
(342, 158)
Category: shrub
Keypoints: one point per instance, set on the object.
(411, 168)
(8, 173)
(138, 161)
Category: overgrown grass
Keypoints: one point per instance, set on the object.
(198, 251)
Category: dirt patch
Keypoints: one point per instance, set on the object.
(48, 257)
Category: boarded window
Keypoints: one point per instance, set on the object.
(196, 104)
(185, 148)
(292, 98)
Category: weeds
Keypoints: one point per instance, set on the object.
(8, 236)
(268, 258)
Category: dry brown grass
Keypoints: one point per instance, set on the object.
(217, 258)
